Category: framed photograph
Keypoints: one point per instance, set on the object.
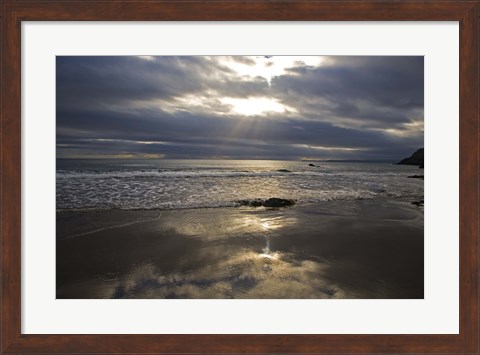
(240, 177)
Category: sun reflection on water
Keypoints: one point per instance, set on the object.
(265, 225)
(240, 223)
(276, 255)
(262, 224)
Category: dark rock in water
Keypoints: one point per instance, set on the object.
(416, 177)
(271, 202)
(256, 203)
(253, 203)
(284, 170)
(418, 203)
(415, 159)
(278, 202)
(311, 165)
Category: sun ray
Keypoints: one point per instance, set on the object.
(255, 106)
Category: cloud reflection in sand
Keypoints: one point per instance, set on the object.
(233, 271)
(245, 275)
(251, 253)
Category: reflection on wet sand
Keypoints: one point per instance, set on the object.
(250, 253)
(246, 275)
(238, 222)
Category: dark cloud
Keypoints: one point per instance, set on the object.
(102, 81)
(345, 108)
(383, 90)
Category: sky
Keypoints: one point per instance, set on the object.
(239, 107)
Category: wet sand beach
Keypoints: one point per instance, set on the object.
(335, 249)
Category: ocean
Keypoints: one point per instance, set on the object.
(131, 184)
(169, 229)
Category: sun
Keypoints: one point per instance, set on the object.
(255, 106)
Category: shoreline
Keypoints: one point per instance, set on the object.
(337, 249)
(145, 214)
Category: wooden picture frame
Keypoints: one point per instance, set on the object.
(14, 12)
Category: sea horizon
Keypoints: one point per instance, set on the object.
(194, 183)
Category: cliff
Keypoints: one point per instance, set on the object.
(415, 159)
